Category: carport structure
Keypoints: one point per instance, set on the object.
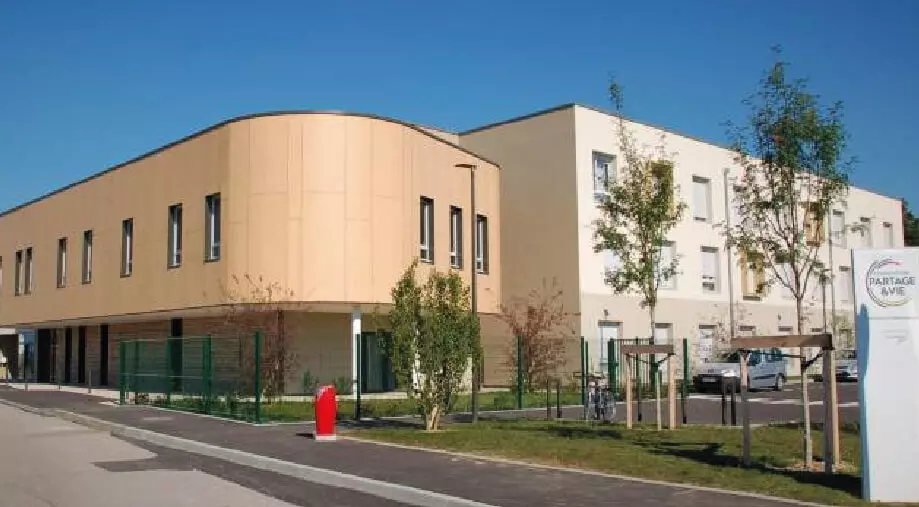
(823, 341)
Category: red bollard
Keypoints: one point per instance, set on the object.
(326, 411)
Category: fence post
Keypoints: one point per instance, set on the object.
(519, 373)
(208, 374)
(685, 377)
(558, 398)
(136, 368)
(548, 399)
(258, 376)
(612, 367)
(639, 373)
(584, 375)
(357, 386)
(122, 377)
(169, 380)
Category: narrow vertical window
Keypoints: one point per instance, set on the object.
(87, 256)
(17, 276)
(604, 173)
(29, 272)
(174, 258)
(838, 228)
(481, 244)
(888, 235)
(212, 227)
(456, 237)
(61, 263)
(427, 229)
(1, 275)
(710, 264)
(865, 231)
(702, 199)
(127, 246)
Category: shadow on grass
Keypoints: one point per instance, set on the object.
(712, 454)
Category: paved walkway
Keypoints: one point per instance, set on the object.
(491, 483)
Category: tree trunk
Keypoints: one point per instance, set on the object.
(805, 396)
(657, 386)
(432, 419)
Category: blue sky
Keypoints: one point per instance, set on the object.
(85, 85)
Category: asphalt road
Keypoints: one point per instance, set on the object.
(47, 462)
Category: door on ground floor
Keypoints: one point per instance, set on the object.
(68, 354)
(607, 331)
(43, 355)
(103, 355)
(376, 366)
(81, 355)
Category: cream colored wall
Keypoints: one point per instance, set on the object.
(538, 202)
(326, 205)
(687, 306)
(320, 343)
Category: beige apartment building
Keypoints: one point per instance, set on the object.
(331, 207)
(554, 168)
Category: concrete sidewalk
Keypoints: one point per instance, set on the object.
(481, 481)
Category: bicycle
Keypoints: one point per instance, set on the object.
(603, 401)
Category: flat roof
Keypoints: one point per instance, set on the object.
(415, 127)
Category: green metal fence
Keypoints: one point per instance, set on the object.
(219, 375)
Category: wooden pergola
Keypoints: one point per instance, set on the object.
(823, 341)
(629, 351)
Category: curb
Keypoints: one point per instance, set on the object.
(390, 491)
(652, 482)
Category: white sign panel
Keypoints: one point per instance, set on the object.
(887, 323)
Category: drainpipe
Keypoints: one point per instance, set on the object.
(727, 251)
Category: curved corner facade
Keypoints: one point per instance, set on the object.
(330, 207)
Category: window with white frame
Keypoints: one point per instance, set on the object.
(710, 264)
(735, 206)
(61, 262)
(701, 199)
(427, 229)
(604, 172)
(838, 228)
(87, 256)
(17, 276)
(1, 275)
(481, 244)
(174, 259)
(667, 254)
(127, 246)
(29, 272)
(456, 237)
(844, 283)
(888, 235)
(212, 227)
(864, 231)
(706, 346)
(611, 262)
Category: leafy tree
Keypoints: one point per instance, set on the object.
(434, 333)
(641, 209)
(543, 326)
(910, 226)
(790, 153)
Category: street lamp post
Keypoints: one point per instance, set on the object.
(473, 284)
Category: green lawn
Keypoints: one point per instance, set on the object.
(695, 455)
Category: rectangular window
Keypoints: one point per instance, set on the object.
(787, 276)
(604, 172)
(174, 258)
(87, 256)
(29, 272)
(844, 283)
(127, 246)
(456, 237)
(710, 264)
(62, 263)
(611, 262)
(813, 225)
(212, 227)
(427, 229)
(838, 228)
(1, 275)
(746, 330)
(735, 206)
(706, 346)
(481, 244)
(864, 231)
(888, 235)
(752, 278)
(701, 199)
(667, 253)
(17, 276)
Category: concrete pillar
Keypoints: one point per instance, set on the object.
(355, 331)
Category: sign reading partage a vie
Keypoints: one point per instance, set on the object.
(887, 327)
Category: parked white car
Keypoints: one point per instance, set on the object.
(766, 370)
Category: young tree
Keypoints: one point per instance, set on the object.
(542, 325)
(253, 304)
(790, 153)
(434, 333)
(641, 209)
(910, 226)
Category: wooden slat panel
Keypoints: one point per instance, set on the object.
(783, 341)
(646, 349)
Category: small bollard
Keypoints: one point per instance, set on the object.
(724, 403)
(89, 381)
(733, 405)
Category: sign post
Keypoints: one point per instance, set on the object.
(887, 327)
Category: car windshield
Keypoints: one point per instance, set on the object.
(727, 357)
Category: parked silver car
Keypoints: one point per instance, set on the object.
(766, 370)
(846, 366)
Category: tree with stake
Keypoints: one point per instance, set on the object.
(790, 154)
(641, 209)
(434, 334)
